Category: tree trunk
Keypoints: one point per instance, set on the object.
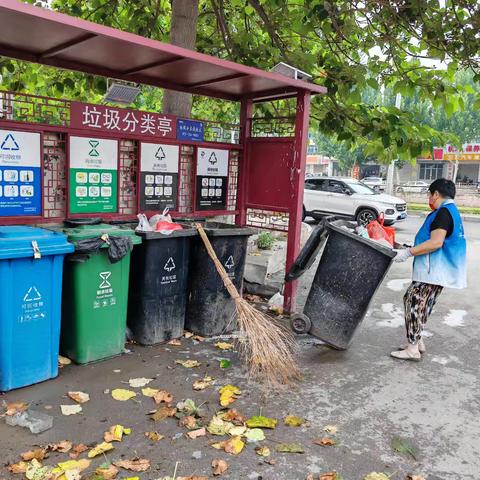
(183, 33)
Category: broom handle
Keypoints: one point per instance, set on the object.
(218, 265)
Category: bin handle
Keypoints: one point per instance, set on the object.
(36, 250)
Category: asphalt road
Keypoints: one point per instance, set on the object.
(432, 405)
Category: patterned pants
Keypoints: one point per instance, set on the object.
(419, 301)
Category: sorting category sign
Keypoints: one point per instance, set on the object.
(212, 179)
(20, 174)
(158, 176)
(93, 175)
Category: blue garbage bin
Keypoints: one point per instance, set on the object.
(31, 266)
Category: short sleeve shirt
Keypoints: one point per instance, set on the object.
(443, 220)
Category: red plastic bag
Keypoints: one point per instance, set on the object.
(377, 231)
(163, 225)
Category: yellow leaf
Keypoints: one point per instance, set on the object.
(116, 433)
(203, 384)
(74, 465)
(219, 427)
(293, 421)
(123, 395)
(228, 394)
(64, 360)
(234, 445)
(188, 363)
(154, 436)
(79, 397)
(263, 451)
(376, 476)
(237, 431)
(139, 382)
(70, 409)
(99, 449)
(107, 472)
(149, 392)
(224, 345)
(259, 421)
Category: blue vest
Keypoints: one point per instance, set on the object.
(446, 266)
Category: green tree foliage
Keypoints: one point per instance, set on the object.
(349, 46)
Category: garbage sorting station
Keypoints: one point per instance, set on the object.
(63, 159)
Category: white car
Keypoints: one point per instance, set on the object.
(376, 183)
(349, 198)
(413, 187)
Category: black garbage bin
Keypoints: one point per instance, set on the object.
(158, 286)
(210, 309)
(349, 273)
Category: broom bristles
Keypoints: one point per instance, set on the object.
(267, 348)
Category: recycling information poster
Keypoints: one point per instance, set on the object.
(93, 175)
(158, 176)
(212, 179)
(20, 177)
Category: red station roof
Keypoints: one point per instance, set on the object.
(42, 36)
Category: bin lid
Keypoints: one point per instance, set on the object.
(217, 229)
(16, 242)
(82, 232)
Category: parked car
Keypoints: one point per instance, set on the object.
(377, 183)
(349, 198)
(413, 187)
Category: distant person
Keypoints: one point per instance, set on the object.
(440, 257)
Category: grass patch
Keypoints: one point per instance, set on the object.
(420, 207)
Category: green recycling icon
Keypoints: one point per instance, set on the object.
(94, 144)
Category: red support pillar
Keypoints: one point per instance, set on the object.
(246, 111)
(297, 177)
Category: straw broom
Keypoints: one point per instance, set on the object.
(267, 348)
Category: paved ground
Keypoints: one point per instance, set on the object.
(432, 405)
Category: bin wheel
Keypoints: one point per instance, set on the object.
(300, 323)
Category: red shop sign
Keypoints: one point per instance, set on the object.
(102, 118)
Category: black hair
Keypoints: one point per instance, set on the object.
(446, 188)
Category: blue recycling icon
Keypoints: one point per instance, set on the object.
(9, 143)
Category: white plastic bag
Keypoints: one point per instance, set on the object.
(165, 216)
(143, 225)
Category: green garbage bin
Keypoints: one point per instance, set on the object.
(95, 295)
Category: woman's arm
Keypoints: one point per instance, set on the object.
(437, 237)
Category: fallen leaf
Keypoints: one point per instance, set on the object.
(187, 407)
(217, 426)
(154, 436)
(188, 363)
(135, 465)
(228, 394)
(415, 477)
(224, 345)
(163, 413)
(203, 384)
(254, 435)
(201, 432)
(234, 416)
(219, 466)
(62, 447)
(77, 450)
(187, 334)
(70, 470)
(376, 476)
(328, 476)
(36, 471)
(238, 431)
(333, 429)
(149, 392)
(175, 342)
(123, 395)
(293, 421)
(99, 449)
(289, 448)
(189, 422)
(15, 407)
(225, 363)
(107, 471)
(79, 397)
(260, 421)
(198, 338)
(64, 360)
(70, 409)
(163, 396)
(234, 445)
(191, 477)
(20, 467)
(271, 461)
(116, 433)
(401, 446)
(37, 454)
(263, 451)
(325, 442)
(139, 382)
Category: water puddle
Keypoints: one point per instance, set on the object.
(396, 316)
(398, 284)
(455, 318)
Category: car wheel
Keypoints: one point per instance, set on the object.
(365, 216)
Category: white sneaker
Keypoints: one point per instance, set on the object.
(407, 354)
